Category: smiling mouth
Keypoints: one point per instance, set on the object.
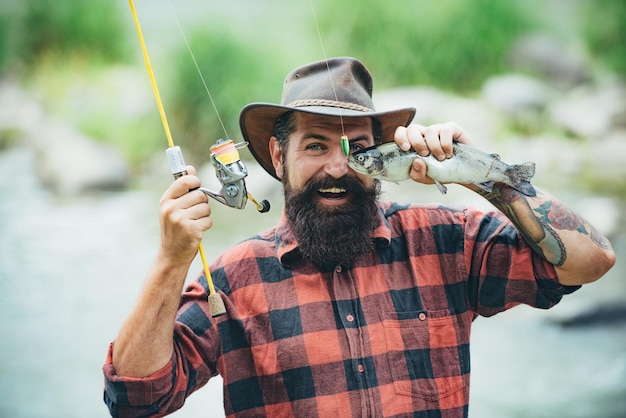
(332, 192)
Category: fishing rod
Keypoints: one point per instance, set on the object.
(230, 170)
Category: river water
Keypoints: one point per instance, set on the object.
(70, 270)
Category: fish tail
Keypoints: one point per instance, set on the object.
(520, 175)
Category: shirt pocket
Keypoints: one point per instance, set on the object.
(426, 353)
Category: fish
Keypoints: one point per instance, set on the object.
(468, 165)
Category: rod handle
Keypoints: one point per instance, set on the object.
(216, 305)
(176, 160)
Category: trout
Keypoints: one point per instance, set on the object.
(468, 165)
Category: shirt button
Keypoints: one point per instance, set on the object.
(360, 368)
(422, 316)
(350, 318)
(338, 269)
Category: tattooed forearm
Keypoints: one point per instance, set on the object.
(540, 225)
(557, 215)
(579, 253)
(538, 231)
(560, 217)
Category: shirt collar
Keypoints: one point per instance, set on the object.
(287, 248)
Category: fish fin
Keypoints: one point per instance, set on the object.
(520, 175)
(443, 189)
(526, 170)
(487, 186)
(526, 188)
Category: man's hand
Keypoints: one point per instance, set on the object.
(434, 139)
(185, 215)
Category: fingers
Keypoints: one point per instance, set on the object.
(190, 211)
(458, 134)
(419, 172)
(191, 170)
(185, 215)
(436, 139)
(183, 197)
(183, 185)
(425, 140)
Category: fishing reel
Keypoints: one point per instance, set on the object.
(229, 170)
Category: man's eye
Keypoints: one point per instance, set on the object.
(314, 147)
(354, 147)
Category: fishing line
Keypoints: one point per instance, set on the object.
(345, 146)
(261, 206)
(193, 57)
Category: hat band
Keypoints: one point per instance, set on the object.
(329, 103)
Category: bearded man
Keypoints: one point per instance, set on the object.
(349, 307)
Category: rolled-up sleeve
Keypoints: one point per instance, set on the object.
(504, 271)
(193, 363)
(137, 397)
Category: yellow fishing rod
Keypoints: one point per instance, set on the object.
(177, 164)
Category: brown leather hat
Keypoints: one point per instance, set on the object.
(309, 89)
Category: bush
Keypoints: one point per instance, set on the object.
(236, 73)
(31, 28)
(604, 27)
(446, 44)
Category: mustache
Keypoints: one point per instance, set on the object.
(347, 183)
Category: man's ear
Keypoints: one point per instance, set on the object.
(276, 151)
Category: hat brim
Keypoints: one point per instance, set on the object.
(257, 122)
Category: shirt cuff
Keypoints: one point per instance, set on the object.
(126, 391)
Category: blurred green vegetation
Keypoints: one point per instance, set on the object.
(604, 30)
(30, 29)
(62, 48)
(451, 44)
(235, 72)
(454, 45)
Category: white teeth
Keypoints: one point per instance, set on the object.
(332, 190)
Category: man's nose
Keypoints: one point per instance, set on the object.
(337, 164)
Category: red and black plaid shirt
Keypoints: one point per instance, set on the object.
(386, 337)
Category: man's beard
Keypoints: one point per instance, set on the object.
(333, 235)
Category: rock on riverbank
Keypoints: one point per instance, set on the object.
(68, 161)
